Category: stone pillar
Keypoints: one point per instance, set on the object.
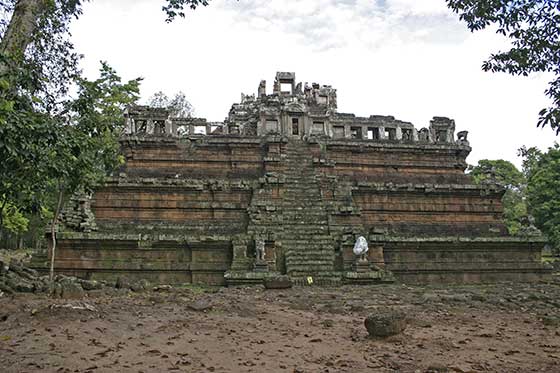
(150, 127)
(381, 133)
(169, 128)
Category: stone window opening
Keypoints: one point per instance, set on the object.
(390, 133)
(373, 133)
(234, 129)
(159, 127)
(199, 130)
(295, 126)
(141, 126)
(407, 134)
(318, 127)
(423, 135)
(322, 100)
(338, 132)
(355, 132)
(286, 88)
(441, 136)
(271, 125)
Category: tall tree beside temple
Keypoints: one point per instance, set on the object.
(514, 201)
(533, 27)
(543, 189)
(38, 64)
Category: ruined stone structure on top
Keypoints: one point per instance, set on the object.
(285, 185)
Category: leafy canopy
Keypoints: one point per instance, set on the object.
(178, 105)
(543, 191)
(506, 174)
(13, 220)
(533, 26)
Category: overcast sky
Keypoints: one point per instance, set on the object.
(407, 58)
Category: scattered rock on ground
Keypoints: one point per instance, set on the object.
(386, 322)
(89, 285)
(278, 282)
(200, 305)
(123, 282)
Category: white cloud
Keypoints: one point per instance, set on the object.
(411, 59)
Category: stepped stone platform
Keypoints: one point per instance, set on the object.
(283, 187)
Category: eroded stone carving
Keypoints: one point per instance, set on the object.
(260, 250)
(462, 137)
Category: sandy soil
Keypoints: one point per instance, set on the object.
(497, 328)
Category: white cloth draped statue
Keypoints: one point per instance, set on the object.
(361, 247)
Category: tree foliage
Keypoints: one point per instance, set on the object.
(47, 140)
(543, 190)
(533, 26)
(178, 105)
(174, 8)
(507, 175)
(13, 219)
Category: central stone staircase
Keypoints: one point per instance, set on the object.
(307, 244)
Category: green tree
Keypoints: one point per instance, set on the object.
(543, 191)
(41, 131)
(14, 221)
(533, 27)
(507, 175)
(43, 24)
(87, 147)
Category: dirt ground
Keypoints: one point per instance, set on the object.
(491, 328)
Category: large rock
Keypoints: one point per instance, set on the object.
(89, 285)
(6, 288)
(3, 268)
(18, 284)
(277, 282)
(24, 272)
(71, 290)
(386, 322)
(123, 282)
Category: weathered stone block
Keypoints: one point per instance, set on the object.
(71, 290)
(277, 282)
(386, 322)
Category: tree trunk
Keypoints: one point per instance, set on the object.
(18, 35)
(53, 231)
(2, 206)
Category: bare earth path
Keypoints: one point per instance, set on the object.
(495, 328)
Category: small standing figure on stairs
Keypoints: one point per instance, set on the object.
(361, 248)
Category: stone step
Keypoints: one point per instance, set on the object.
(309, 243)
(328, 273)
(295, 239)
(311, 252)
(318, 253)
(301, 222)
(309, 263)
(306, 228)
(310, 266)
(305, 271)
(315, 260)
(298, 210)
(323, 245)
